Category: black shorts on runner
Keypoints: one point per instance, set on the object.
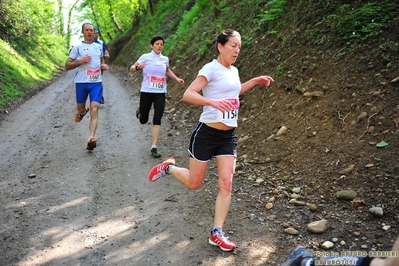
(206, 142)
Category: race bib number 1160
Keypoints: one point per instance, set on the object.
(157, 82)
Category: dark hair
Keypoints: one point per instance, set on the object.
(87, 23)
(156, 38)
(224, 36)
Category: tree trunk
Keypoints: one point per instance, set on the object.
(113, 18)
(150, 2)
(215, 8)
(60, 18)
(68, 37)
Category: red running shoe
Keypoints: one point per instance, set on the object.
(79, 117)
(222, 241)
(159, 170)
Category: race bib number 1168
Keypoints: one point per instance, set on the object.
(93, 74)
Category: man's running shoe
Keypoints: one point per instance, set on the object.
(154, 153)
(297, 256)
(79, 117)
(222, 241)
(159, 170)
(138, 113)
(91, 144)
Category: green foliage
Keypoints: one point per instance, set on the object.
(367, 21)
(274, 9)
(279, 71)
(202, 50)
(182, 16)
(387, 49)
(19, 73)
(189, 20)
(114, 18)
(149, 27)
(30, 48)
(272, 15)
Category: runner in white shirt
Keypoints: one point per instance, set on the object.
(214, 135)
(155, 68)
(87, 58)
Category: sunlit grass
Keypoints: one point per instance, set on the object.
(21, 72)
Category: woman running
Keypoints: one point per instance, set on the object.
(214, 135)
(153, 90)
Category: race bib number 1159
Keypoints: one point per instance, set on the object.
(230, 115)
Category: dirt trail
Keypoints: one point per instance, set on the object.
(63, 205)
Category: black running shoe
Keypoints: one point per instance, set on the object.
(91, 144)
(154, 153)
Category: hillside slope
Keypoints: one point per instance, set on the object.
(336, 94)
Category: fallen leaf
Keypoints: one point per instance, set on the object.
(347, 170)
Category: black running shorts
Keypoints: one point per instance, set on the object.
(206, 142)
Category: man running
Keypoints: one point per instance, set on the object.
(87, 58)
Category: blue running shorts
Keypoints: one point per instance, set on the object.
(85, 89)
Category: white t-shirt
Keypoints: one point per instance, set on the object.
(223, 83)
(154, 72)
(88, 72)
